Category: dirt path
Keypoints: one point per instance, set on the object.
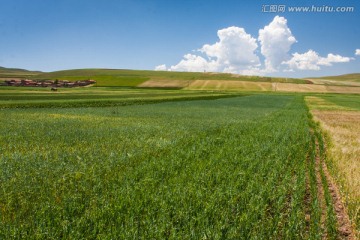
(307, 197)
(343, 220)
(345, 230)
(320, 191)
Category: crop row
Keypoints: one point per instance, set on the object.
(231, 168)
(68, 99)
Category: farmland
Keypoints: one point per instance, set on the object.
(241, 167)
(122, 77)
(179, 120)
(14, 97)
(355, 77)
(133, 78)
(339, 116)
(165, 155)
(193, 80)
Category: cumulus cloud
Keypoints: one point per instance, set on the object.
(311, 60)
(357, 52)
(232, 53)
(236, 51)
(276, 40)
(161, 67)
(332, 58)
(255, 71)
(194, 63)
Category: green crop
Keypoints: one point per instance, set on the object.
(15, 97)
(132, 78)
(231, 168)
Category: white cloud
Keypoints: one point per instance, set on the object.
(161, 67)
(236, 52)
(194, 63)
(331, 58)
(253, 72)
(232, 53)
(311, 60)
(304, 61)
(357, 52)
(276, 40)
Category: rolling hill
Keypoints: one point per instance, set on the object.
(131, 78)
(192, 80)
(353, 77)
(16, 73)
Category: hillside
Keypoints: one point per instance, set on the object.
(16, 73)
(191, 80)
(353, 77)
(132, 78)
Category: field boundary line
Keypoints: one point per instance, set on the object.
(307, 196)
(320, 189)
(344, 224)
(344, 227)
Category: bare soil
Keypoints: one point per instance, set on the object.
(345, 230)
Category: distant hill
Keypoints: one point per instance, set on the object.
(16, 73)
(125, 77)
(349, 83)
(167, 79)
(353, 77)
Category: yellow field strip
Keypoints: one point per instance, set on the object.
(227, 85)
(343, 128)
(165, 83)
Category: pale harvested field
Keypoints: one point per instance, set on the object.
(339, 89)
(334, 82)
(249, 86)
(343, 127)
(165, 83)
(291, 87)
(229, 85)
(313, 88)
(266, 86)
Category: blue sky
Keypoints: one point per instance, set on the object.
(65, 34)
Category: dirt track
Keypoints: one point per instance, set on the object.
(345, 229)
